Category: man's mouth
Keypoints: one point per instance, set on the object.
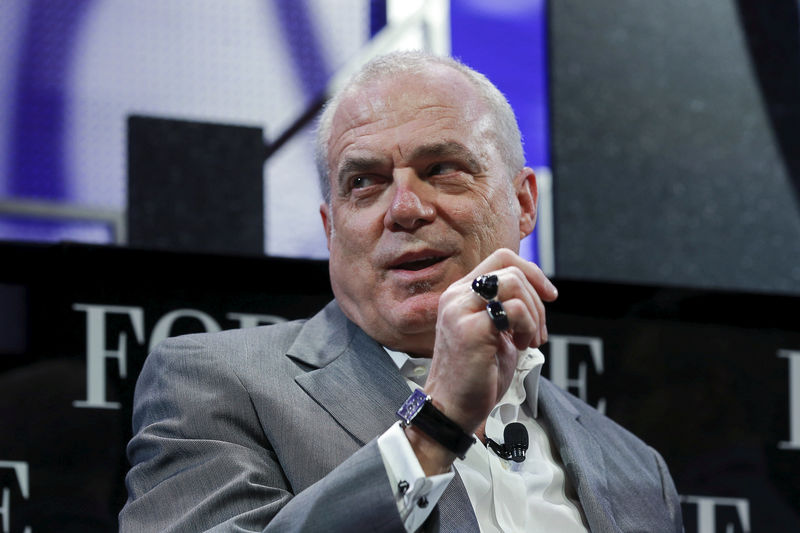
(414, 261)
(418, 264)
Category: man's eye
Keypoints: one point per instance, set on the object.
(442, 168)
(359, 182)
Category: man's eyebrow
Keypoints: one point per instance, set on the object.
(358, 164)
(447, 149)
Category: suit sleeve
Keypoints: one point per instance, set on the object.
(200, 461)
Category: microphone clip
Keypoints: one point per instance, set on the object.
(516, 443)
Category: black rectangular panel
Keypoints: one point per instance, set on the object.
(195, 186)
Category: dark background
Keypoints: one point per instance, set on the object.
(676, 142)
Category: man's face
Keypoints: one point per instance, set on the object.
(419, 196)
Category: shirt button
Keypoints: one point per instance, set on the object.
(420, 371)
(423, 502)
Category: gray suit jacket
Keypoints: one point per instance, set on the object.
(274, 428)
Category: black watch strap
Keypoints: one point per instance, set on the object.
(418, 411)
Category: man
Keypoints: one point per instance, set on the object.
(293, 427)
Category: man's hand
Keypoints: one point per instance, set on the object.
(473, 363)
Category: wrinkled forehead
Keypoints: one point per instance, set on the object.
(397, 99)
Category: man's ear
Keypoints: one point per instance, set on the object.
(527, 196)
(327, 222)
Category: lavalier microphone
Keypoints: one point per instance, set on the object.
(515, 444)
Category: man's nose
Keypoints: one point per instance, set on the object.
(411, 205)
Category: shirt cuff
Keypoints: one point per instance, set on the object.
(415, 494)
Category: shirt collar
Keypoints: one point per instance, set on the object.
(525, 380)
(414, 369)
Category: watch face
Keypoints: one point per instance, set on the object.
(412, 405)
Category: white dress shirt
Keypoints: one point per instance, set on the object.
(534, 495)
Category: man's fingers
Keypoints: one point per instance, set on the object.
(522, 289)
(544, 287)
(528, 317)
(503, 258)
(526, 330)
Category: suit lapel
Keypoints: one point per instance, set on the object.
(355, 380)
(580, 453)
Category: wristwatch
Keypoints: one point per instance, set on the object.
(418, 411)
